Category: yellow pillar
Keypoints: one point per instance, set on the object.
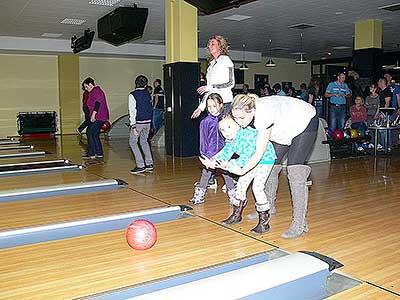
(181, 43)
(368, 34)
(69, 92)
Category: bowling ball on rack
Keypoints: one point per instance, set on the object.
(353, 133)
(338, 134)
(106, 126)
(347, 133)
(361, 132)
(328, 132)
(141, 235)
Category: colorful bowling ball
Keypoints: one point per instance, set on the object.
(141, 235)
(328, 132)
(361, 132)
(353, 133)
(338, 134)
(106, 126)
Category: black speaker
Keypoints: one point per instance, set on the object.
(82, 43)
(122, 25)
(181, 80)
(213, 6)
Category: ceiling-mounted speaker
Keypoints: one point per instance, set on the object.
(122, 25)
(213, 6)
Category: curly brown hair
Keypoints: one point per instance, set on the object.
(223, 45)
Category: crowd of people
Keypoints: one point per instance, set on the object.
(246, 136)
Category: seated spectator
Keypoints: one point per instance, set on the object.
(358, 114)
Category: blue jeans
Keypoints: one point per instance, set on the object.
(93, 136)
(158, 119)
(337, 116)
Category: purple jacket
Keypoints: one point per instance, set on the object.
(211, 141)
(97, 95)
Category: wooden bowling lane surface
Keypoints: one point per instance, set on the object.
(364, 292)
(73, 207)
(87, 265)
(353, 209)
(45, 179)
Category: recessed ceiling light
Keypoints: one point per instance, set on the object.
(329, 53)
(73, 21)
(51, 35)
(297, 53)
(104, 2)
(154, 41)
(237, 17)
(341, 47)
(339, 13)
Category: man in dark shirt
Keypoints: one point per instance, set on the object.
(385, 101)
(158, 106)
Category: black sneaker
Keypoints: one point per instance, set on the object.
(87, 156)
(138, 170)
(149, 168)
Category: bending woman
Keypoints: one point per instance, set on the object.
(292, 127)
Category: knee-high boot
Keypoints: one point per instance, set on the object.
(297, 175)
(271, 187)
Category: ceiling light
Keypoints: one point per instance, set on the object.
(391, 7)
(339, 13)
(237, 17)
(51, 35)
(302, 26)
(73, 21)
(270, 63)
(302, 60)
(104, 2)
(243, 66)
(341, 47)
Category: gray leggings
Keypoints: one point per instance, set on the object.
(206, 175)
(301, 146)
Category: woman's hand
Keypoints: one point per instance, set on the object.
(196, 113)
(234, 169)
(201, 90)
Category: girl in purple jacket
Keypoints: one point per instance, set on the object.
(211, 142)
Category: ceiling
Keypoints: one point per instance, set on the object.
(270, 19)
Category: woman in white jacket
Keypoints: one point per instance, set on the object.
(220, 74)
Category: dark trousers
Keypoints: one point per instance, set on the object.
(87, 119)
(93, 136)
(301, 146)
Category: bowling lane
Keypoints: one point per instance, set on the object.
(363, 292)
(88, 265)
(45, 179)
(73, 207)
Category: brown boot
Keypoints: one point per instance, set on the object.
(236, 216)
(263, 222)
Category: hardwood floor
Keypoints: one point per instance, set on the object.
(353, 217)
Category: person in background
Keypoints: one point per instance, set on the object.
(246, 88)
(158, 106)
(149, 88)
(395, 89)
(313, 91)
(203, 81)
(220, 74)
(85, 109)
(337, 91)
(385, 101)
(277, 90)
(98, 111)
(358, 114)
(292, 92)
(140, 116)
(303, 92)
(372, 103)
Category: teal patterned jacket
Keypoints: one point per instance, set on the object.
(244, 145)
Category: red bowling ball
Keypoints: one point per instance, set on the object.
(141, 235)
(106, 126)
(338, 134)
